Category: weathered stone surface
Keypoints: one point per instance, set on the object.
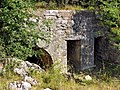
(26, 85)
(50, 17)
(71, 25)
(105, 52)
(30, 80)
(62, 24)
(20, 71)
(23, 68)
(19, 85)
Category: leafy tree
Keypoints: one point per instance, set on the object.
(18, 32)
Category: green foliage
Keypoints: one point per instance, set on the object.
(110, 12)
(18, 33)
(52, 78)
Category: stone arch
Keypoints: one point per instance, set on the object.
(43, 59)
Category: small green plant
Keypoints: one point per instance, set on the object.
(52, 78)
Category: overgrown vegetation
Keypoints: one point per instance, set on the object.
(55, 80)
(18, 32)
(110, 16)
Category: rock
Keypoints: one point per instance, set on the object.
(50, 13)
(19, 85)
(20, 71)
(88, 78)
(23, 68)
(50, 17)
(72, 22)
(24, 65)
(33, 19)
(64, 22)
(30, 80)
(26, 86)
(12, 85)
(37, 67)
(47, 89)
(28, 64)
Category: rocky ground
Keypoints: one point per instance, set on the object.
(33, 77)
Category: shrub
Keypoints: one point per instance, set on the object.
(110, 12)
(18, 32)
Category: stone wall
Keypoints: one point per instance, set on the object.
(69, 25)
(105, 52)
(85, 25)
(60, 27)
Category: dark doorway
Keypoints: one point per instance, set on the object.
(98, 51)
(73, 54)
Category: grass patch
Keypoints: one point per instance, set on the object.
(6, 78)
(53, 6)
(53, 79)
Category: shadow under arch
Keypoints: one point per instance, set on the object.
(41, 58)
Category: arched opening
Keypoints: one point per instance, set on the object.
(42, 58)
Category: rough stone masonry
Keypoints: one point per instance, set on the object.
(70, 26)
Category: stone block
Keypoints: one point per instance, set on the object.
(66, 14)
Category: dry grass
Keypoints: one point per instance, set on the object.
(56, 81)
(53, 6)
(6, 78)
(62, 84)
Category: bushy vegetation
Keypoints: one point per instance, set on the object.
(18, 32)
(110, 16)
